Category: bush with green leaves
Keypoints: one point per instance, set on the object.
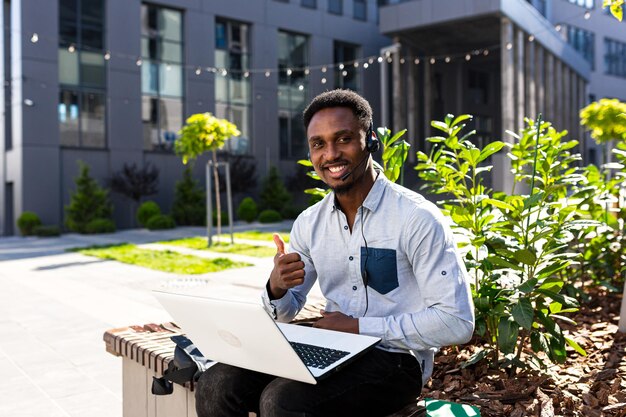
(96, 226)
(27, 222)
(270, 216)
(146, 211)
(248, 210)
(224, 217)
(273, 195)
(515, 246)
(49, 230)
(189, 208)
(88, 202)
(160, 222)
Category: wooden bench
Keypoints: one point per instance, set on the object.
(146, 351)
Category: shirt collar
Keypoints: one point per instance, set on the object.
(373, 197)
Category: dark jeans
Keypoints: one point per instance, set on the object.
(377, 384)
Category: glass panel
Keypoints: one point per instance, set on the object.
(360, 9)
(170, 24)
(149, 117)
(221, 88)
(243, 41)
(92, 12)
(68, 67)
(148, 20)
(283, 97)
(92, 69)
(172, 52)
(240, 116)
(91, 37)
(171, 80)
(68, 118)
(240, 90)
(92, 120)
(221, 40)
(149, 77)
(68, 32)
(171, 114)
(283, 135)
(221, 59)
(299, 146)
(309, 3)
(335, 6)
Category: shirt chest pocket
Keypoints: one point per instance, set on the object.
(381, 267)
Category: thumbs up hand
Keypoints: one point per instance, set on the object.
(288, 270)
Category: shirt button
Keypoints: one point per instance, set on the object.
(354, 287)
(443, 272)
(351, 258)
(345, 228)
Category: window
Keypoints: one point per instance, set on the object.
(346, 74)
(587, 4)
(161, 76)
(582, 41)
(232, 90)
(614, 57)
(82, 79)
(540, 5)
(311, 4)
(335, 6)
(293, 60)
(360, 9)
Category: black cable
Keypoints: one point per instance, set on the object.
(367, 255)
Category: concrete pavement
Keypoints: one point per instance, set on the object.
(55, 306)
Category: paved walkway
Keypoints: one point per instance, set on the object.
(55, 306)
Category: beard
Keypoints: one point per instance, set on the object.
(343, 188)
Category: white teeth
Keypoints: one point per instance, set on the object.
(336, 169)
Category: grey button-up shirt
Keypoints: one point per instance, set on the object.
(418, 296)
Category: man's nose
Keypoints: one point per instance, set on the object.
(332, 152)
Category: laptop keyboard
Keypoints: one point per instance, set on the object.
(317, 356)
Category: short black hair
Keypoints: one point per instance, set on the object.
(340, 98)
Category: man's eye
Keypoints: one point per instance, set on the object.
(316, 145)
(344, 139)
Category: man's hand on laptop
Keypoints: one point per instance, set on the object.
(337, 321)
(288, 270)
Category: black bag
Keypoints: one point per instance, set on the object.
(187, 366)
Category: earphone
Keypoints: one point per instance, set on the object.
(372, 144)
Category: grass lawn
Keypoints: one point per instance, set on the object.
(257, 235)
(200, 243)
(166, 261)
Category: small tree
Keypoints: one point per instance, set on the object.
(274, 195)
(603, 118)
(202, 133)
(136, 183)
(89, 202)
(189, 208)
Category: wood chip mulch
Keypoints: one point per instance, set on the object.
(593, 386)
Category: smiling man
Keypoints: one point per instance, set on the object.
(387, 265)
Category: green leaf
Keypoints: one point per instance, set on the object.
(617, 11)
(475, 358)
(305, 162)
(439, 125)
(523, 313)
(528, 286)
(496, 260)
(538, 342)
(565, 319)
(461, 118)
(508, 331)
(576, 346)
(525, 256)
(490, 149)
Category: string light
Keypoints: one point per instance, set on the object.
(587, 15)
(531, 38)
(447, 60)
(300, 87)
(389, 60)
(558, 28)
(267, 74)
(486, 52)
(509, 46)
(402, 60)
(341, 66)
(323, 69)
(138, 62)
(468, 57)
(289, 72)
(356, 64)
(323, 80)
(198, 71)
(366, 65)
(246, 74)
(380, 59)
(71, 49)
(344, 73)
(107, 55)
(34, 38)
(417, 61)
(432, 61)
(371, 61)
(306, 71)
(224, 72)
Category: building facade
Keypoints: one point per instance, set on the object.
(110, 82)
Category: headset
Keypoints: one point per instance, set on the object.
(372, 144)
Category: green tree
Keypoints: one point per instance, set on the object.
(616, 7)
(202, 133)
(274, 195)
(89, 202)
(189, 206)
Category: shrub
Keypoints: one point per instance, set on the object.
(189, 206)
(270, 216)
(47, 230)
(290, 212)
(247, 210)
(96, 226)
(27, 223)
(274, 195)
(88, 202)
(160, 222)
(224, 217)
(146, 211)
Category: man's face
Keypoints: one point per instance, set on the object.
(337, 147)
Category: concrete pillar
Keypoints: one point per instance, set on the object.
(549, 87)
(567, 104)
(558, 94)
(519, 79)
(428, 102)
(411, 85)
(540, 74)
(398, 95)
(531, 75)
(584, 136)
(502, 178)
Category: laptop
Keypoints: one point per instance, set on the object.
(243, 334)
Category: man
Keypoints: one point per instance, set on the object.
(387, 266)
